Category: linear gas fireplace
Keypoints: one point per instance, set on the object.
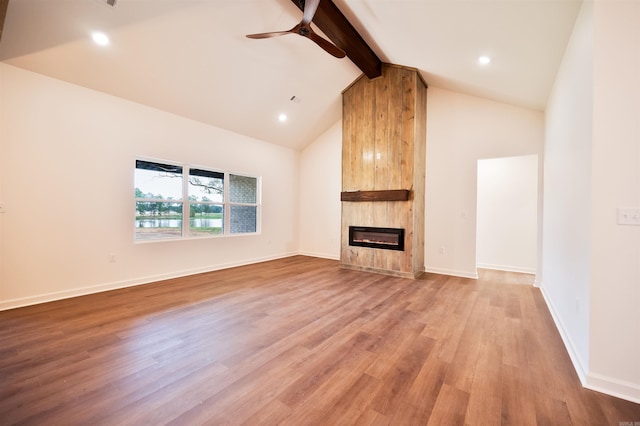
(381, 238)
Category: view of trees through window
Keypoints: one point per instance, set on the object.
(164, 196)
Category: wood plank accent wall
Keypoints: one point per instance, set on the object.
(384, 149)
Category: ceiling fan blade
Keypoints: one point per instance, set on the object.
(304, 29)
(310, 7)
(331, 48)
(268, 35)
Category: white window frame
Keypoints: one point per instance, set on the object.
(228, 203)
(186, 202)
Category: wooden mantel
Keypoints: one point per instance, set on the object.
(382, 195)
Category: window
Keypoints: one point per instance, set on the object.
(243, 195)
(159, 206)
(216, 203)
(206, 202)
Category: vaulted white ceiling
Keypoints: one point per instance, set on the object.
(191, 57)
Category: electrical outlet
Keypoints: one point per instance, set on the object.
(441, 250)
(113, 258)
(629, 217)
(2, 208)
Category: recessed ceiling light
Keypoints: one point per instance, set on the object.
(282, 118)
(100, 38)
(484, 60)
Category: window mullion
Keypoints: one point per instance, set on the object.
(227, 205)
(185, 203)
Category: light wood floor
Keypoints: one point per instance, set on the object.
(297, 341)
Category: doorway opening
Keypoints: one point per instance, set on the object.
(507, 214)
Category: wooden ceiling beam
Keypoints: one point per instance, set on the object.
(335, 25)
(3, 13)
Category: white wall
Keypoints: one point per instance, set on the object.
(567, 193)
(614, 363)
(462, 129)
(591, 265)
(507, 213)
(320, 183)
(66, 179)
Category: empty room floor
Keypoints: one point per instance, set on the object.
(297, 341)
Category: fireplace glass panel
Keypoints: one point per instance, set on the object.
(380, 238)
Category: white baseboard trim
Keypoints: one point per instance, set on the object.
(452, 272)
(596, 382)
(83, 291)
(320, 255)
(507, 268)
(576, 359)
(613, 387)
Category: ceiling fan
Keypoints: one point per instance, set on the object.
(304, 29)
